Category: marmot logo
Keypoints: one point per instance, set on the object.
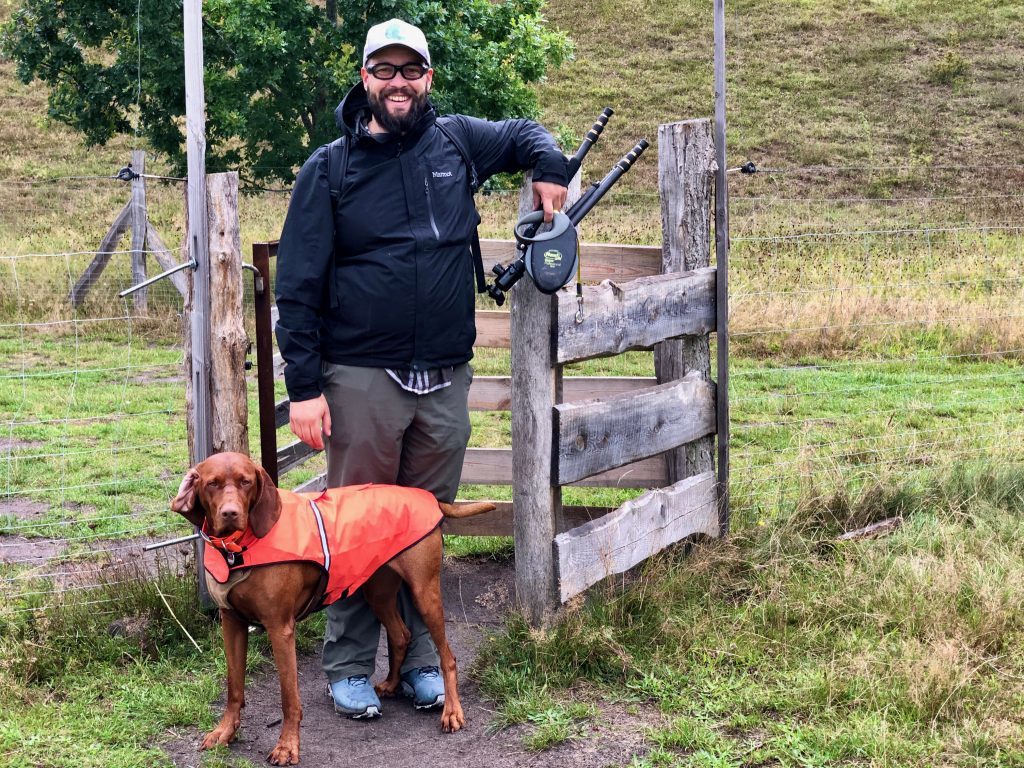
(442, 174)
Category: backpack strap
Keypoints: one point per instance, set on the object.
(337, 162)
(444, 125)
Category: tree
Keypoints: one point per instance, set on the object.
(274, 69)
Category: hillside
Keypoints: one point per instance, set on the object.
(813, 82)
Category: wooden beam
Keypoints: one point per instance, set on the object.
(162, 254)
(493, 328)
(494, 393)
(597, 435)
(294, 455)
(493, 466)
(639, 529)
(635, 315)
(500, 522)
(228, 341)
(599, 261)
(686, 165)
(107, 245)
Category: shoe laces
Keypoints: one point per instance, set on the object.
(430, 672)
(357, 681)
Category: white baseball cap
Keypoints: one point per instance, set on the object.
(395, 32)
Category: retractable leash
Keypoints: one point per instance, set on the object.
(551, 257)
(509, 274)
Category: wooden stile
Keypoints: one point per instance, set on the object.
(640, 528)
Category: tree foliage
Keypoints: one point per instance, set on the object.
(274, 69)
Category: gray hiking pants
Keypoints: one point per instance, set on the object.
(381, 433)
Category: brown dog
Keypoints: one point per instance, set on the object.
(228, 496)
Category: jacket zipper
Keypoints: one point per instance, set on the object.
(430, 208)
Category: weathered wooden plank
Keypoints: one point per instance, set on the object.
(493, 466)
(600, 261)
(91, 274)
(228, 341)
(635, 315)
(596, 435)
(686, 166)
(494, 393)
(162, 254)
(500, 522)
(493, 328)
(293, 455)
(281, 415)
(639, 529)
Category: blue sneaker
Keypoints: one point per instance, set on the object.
(424, 686)
(354, 697)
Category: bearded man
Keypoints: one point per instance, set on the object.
(374, 288)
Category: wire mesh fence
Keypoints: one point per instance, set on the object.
(876, 338)
(92, 426)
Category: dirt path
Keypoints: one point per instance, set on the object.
(477, 593)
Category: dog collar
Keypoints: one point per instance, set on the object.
(228, 544)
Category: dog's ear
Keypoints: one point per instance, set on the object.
(267, 509)
(187, 503)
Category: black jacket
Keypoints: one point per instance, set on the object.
(387, 280)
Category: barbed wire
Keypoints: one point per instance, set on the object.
(1011, 226)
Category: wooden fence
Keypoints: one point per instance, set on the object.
(654, 433)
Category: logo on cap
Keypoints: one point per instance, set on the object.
(393, 32)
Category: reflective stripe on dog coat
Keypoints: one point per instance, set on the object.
(363, 527)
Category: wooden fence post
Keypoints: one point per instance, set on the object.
(686, 165)
(536, 389)
(228, 342)
(535, 384)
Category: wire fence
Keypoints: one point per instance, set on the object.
(875, 339)
(92, 423)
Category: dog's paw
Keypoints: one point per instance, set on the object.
(386, 688)
(285, 753)
(219, 737)
(452, 719)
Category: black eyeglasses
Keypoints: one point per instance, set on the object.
(388, 71)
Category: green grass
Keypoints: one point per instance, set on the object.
(875, 373)
(784, 646)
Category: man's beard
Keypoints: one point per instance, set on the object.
(397, 124)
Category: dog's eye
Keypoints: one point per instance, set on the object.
(214, 484)
(246, 483)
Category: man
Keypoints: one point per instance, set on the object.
(375, 290)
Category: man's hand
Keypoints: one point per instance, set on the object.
(550, 197)
(310, 420)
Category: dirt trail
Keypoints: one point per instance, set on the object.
(477, 594)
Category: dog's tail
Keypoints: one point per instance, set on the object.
(466, 508)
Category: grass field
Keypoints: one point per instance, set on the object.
(876, 338)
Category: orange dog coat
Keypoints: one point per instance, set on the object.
(348, 532)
